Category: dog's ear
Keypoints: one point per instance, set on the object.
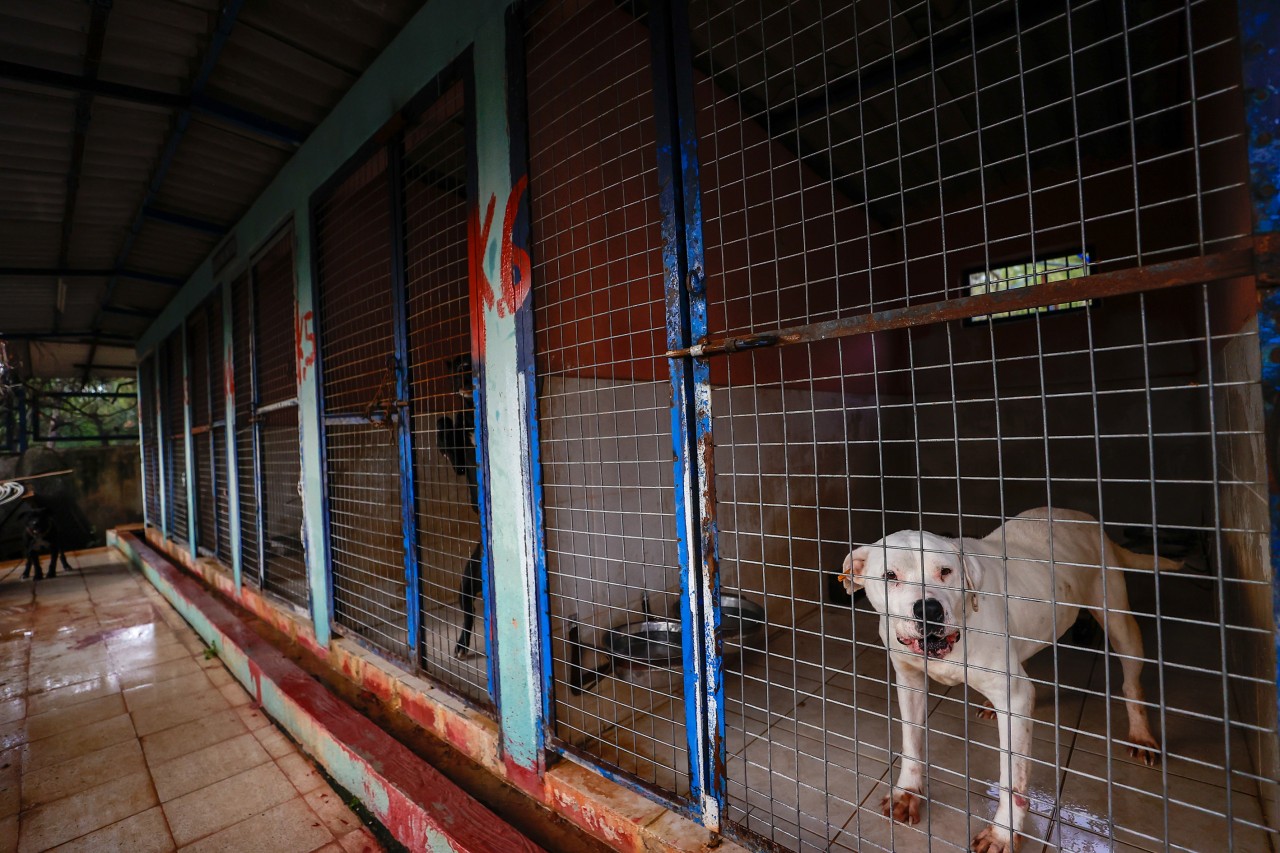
(972, 578)
(854, 566)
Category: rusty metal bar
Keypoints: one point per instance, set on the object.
(1221, 265)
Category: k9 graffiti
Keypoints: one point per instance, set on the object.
(514, 267)
(304, 336)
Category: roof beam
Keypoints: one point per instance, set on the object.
(99, 10)
(217, 41)
(211, 108)
(168, 217)
(83, 336)
(68, 272)
(122, 311)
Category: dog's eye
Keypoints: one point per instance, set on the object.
(890, 576)
(946, 570)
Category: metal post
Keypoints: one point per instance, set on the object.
(408, 505)
(691, 407)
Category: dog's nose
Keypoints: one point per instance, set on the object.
(928, 610)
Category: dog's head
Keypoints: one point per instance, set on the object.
(922, 583)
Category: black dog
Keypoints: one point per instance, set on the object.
(456, 439)
(40, 533)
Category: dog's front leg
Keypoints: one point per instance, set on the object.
(903, 802)
(1014, 701)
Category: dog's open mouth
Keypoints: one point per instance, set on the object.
(934, 646)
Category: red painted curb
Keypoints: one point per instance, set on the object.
(419, 806)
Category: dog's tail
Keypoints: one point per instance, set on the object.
(1131, 560)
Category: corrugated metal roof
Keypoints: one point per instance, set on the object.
(104, 128)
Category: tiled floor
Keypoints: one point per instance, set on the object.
(812, 730)
(118, 733)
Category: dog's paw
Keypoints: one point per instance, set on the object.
(987, 711)
(1145, 749)
(994, 840)
(904, 806)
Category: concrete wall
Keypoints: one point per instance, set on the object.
(1245, 549)
(105, 489)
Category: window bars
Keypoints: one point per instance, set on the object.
(391, 261)
(175, 434)
(856, 166)
(246, 429)
(275, 386)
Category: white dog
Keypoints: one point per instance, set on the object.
(972, 610)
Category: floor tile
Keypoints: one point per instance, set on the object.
(81, 772)
(10, 781)
(191, 736)
(159, 672)
(235, 695)
(1141, 802)
(167, 692)
(201, 768)
(9, 834)
(274, 741)
(301, 772)
(291, 827)
(332, 811)
(13, 709)
(252, 717)
(158, 718)
(145, 832)
(60, 747)
(360, 841)
(74, 694)
(227, 802)
(74, 717)
(64, 820)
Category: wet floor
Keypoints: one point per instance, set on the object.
(119, 732)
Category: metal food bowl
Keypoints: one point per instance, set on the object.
(741, 620)
(651, 642)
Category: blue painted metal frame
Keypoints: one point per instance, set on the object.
(680, 199)
(404, 432)
(162, 460)
(1260, 56)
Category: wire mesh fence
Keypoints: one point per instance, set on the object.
(453, 646)
(604, 396)
(246, 429)
(864, 158)
(198, 365)
(175, 434)
(359, 375)
(883, 187)
(218, 382)
(275, 386)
